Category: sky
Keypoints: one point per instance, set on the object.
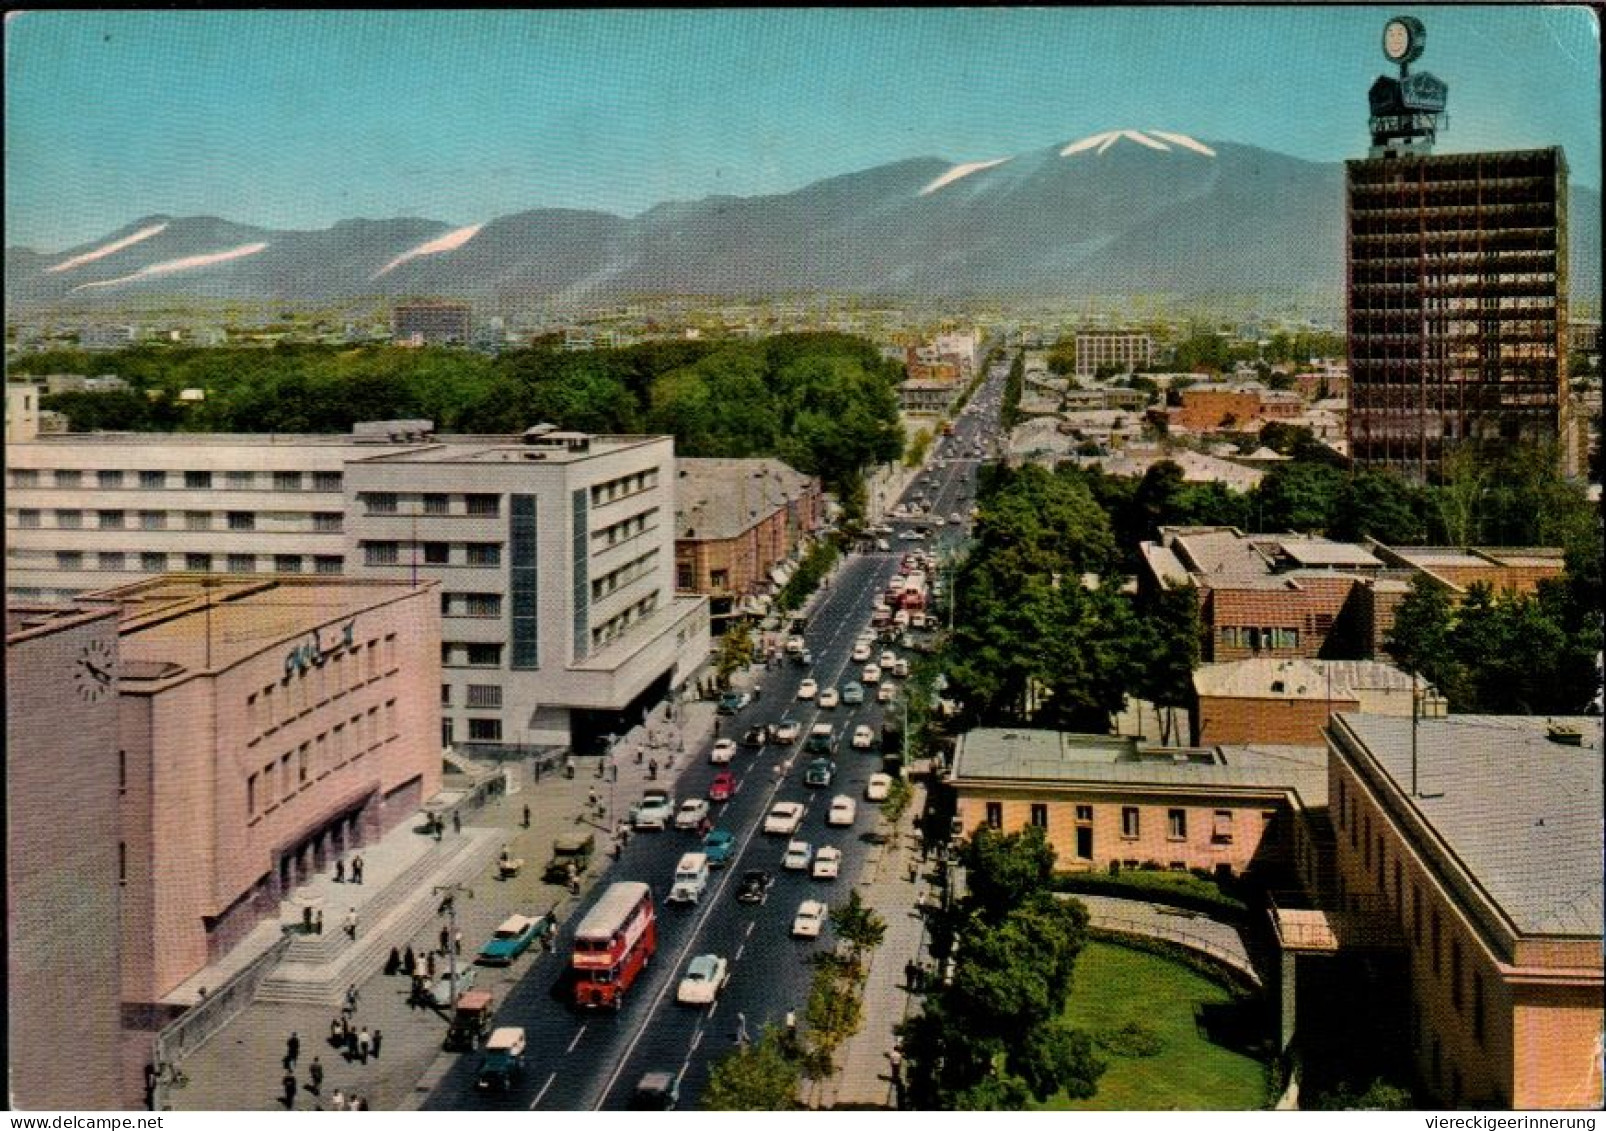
(301, 119)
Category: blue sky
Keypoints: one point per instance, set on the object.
(301, 119)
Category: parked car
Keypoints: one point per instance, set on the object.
(877, 788)
(723, 785)
(786, 731)
(863, 738)
(719, 846)
(871, 674)
(441, 991)
(798, 856)
(852, 693)
(901, 668)
(827, 863)
(861, 652)
(733, 701)
(842, 811)
(829, 698)
(692, 812)
(888, 658)
(653, 810)
(705, 976)
(754, 886)
(784, 818)
(512, 939)
(885, 692)
(809, 920)
(724, 750)
(821, 771)
(808, 689)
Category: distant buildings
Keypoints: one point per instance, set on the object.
(1239, 407)
(22, 412)
(431, 324)
(737, 524)
(1120, 351)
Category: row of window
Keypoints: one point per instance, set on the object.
(1234, 636)
(328, 678)
(624, 530)
(616, 626)
(430, 503)
(159, 561)
(471, 604)
(149, 480)
(455, 655)
(1131, 821)
(479, 730)
(284, 777)
(624, 486)
(613, 580)
(487, 695)
(330, 522)
(432, 553)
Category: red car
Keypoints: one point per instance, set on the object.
(721, 787)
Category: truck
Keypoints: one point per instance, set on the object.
(914, 593)
(503, 1059)
(571, 856)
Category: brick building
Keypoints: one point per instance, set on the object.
(1290, 701)
(1238, 408)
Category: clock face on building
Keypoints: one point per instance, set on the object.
(94, 673)
(1403, 39)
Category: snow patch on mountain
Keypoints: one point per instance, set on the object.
(1152, 139)
(188, 263)
(960, 171)
(109, 249)
(451, 241)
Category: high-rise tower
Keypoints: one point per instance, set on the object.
(1457, 283)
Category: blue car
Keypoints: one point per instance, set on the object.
(852, 694)
(719, 846)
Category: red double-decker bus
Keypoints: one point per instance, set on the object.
(613, 944)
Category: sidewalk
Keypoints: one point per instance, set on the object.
(240, 1068)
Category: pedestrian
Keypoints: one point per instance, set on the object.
(351, 1043)
(914, 871)
(446, 938)
(791, 1025)
(546, 940)
(591, 798)
(457, 823)
(290, 1089)
(292, 1050)
(340, 870)
(376, 1044)
(351, 924)
(362, 1104)
(574, 884)
(352, 996)
(306, 920)
(393, 963)
(365, 1041)
(568, 766)
(526, 816)
(315, 1075)
(337, 1032)
(896, 1058)
(741, 1029)
(430, 966)
(317, 922)
(437, 830)
(410, 961)
(337, 1102)
(356, 869)
(652, 770)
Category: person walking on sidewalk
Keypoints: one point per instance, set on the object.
(446, 939)
(340, 870)
(290, 1089)
(315, 1076)
(457, 823)
(377, 1037)
(351, 924)
(365, 1041)
(526, 816)
(292, 1050)
(356, 869)
(352, 996)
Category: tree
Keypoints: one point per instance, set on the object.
(1088, 658)
(1002, 869)
(1299, 497)
(858, 925)
(758, 1077)
(1054, 1058)
(1381, 505)
(1171, 643)
(1419, 640)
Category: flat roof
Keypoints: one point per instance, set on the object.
(1521, 813)
(189, 624)
(1268, 678)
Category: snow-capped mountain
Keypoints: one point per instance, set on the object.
(1125, 211)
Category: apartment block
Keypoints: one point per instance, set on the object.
(431, 323)
(1120, 350)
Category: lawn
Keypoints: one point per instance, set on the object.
(1115, 985)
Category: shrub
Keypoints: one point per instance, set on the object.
(1176, 889)
(1134, 1039)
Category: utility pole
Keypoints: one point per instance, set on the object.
(448, 908)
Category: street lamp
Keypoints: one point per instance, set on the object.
(449, 909)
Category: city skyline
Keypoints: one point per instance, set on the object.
(116, 115)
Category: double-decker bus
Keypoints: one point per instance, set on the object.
(613, 944)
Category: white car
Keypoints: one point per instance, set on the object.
(871, 674)
(843, 809)
(829, 698)
(809, 920)
(861, 652)
(784, 817)
(863, 738)
(888, 658)
(692, 812)
(705, 977)
(808, 689)
(724, 750)
(798, 856)
(786, 732)
(877, 788)
(939, 522)
(827, 863)
(885, 692)
(955, 518)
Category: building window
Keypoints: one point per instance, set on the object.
(28, 519)
(483, 506)
(287, 480)
(1084, 812)
(25, 477)
(110, 520)
(437, 553)
(1435, 937)
(239, 480)
(995, 814)
(70, 520)
(197, 520)
(301, 763)
(153, 563)
(327, 564)
(68, 478)
(484, 655)
(198, 480)
(437, 504)
(381, 553)
(1221, 827)
(380, 502)
(122, 862)
(484, 695)
(1343, 803)
(1040, 816)
(325, 523)
(109, 562)
(482, 605)
(1129, 822)
(153, 520)
(1478, 1019)
(153, 480)
(286, 563)
(251, 795)
(484, 553)
(326, 480)
(242, 563)
(446, 695)
(1176, 824)
(109, 480)
(485, 730)
(1455, 973)
(198, 563)
(523, 585)
(446, 732)
(1416, 916)
(242, 520)
(69, 559)
(580, 572)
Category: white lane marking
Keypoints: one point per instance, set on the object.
(576, 1040)
(713, 1009)
(751, 923)
(738, 958)
(697, 1037)
(542, 1092)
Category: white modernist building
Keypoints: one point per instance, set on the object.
(554, 551)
